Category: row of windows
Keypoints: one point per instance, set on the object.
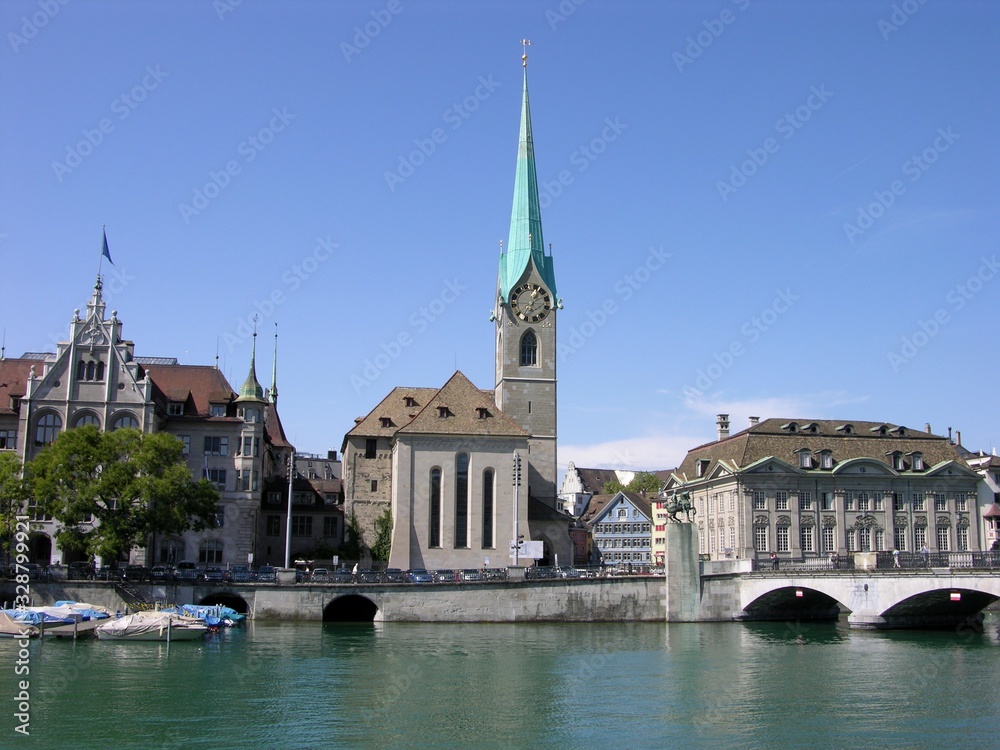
(461, 505)
(90, 370)
(209, 552)
(301, 526)
(622, 528)
(855, 539)
(49, 425)
(626, 557)
(613, 543)
(861, 501)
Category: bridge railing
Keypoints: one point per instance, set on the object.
(884, 561)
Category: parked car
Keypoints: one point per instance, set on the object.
(568, 572)
(34, 571)
(471, 574)
(266, 574)
(446, 575)
(238, 574)
(342, 575)
(394, 575)
(80, 571)
(321, 575)
(161, 573)
(186, 571)
(135, 573)
(212, 574)
(369, 576)
(419, 576)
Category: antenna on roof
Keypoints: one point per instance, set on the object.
(216, 352)
(3, 346)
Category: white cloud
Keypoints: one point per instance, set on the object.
(647, 453)
(822, 405)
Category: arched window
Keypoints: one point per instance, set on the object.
(90, 370)
(462, 500)
(210, 552)
(435, 496)
(47, 429)
(124, 421)
(488, 541)
(81, 370)
(85, 419)
(100, 371)
(529, 350)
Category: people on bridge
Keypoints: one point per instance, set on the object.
(926, 555)
(774, 561)
(895, 558)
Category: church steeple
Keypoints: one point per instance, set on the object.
(273, 393)
(251, 390)
(525, 244)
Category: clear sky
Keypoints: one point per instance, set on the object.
(778, 209)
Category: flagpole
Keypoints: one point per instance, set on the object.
(104, 243)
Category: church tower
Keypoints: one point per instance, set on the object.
(525, 318)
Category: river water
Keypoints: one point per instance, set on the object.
(566, 685)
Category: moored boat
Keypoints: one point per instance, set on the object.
(11, 628)
(151, 626)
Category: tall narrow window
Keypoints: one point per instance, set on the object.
(488, 542)
(47, 429)
(435, 530)
(462, 500)
(529, 350)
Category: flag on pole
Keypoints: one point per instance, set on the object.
(104, 248)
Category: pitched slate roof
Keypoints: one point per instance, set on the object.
(593, 480)
(643, 504)
(395, 410)
(460, 408)
(783, 438)
(196, 386)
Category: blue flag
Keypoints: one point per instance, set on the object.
(104, 248)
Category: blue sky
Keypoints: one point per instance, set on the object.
(779, 209)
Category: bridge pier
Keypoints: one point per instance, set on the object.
(682, 574)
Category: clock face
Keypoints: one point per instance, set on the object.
(530, 302)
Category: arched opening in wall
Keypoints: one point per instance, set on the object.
(233, 601)
(350, 608)
(941, 608)
(793, 603)
(40, 549)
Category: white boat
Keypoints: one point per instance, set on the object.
(151, 626)
(11, 628)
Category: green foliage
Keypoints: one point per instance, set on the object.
(643, 481)
(12, 497)
(133, 485)
(353, 545)
(383, 536)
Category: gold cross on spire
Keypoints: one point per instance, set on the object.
(524, 57)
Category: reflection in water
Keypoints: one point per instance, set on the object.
(517, 685)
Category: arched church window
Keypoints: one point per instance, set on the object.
(529, 350)
(81, 370)
(91, 367)
(488, 476)
(462, 500)
(434, 538)
(85, 419)
(100, 371)
(47, 429)
(125, 421)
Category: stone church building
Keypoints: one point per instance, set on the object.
(443, 459)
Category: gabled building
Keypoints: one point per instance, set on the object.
(579, 485)
(621, 528)
(94, 378)
(809, 488)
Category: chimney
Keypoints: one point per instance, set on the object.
(754, 421)
(722, 423)
(958, 437)
(927, 427)
(949, 434)
(331, 455)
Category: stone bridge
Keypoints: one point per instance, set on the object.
(873, 599)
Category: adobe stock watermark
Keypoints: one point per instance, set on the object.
(750, 333)
(901, 13)
(456, 115)
(249, 148)
(419, 321)
(291, 281)
(581, 158)
(563, 11)
(363, 35)
(624, 289)
(956, 298)
(786, 126)
(915, 167)
(701, 41)
(224, 7)
(122, 106)
(31, 25)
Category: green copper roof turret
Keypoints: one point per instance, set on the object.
(525, 244)
(251, 390)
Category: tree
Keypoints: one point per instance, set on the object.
(132, 485)
(12, 497)
(353, 545)
(383, 536)
(643, 481)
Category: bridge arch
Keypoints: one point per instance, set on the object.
(226, 599)
(799, 603)
(350, 608)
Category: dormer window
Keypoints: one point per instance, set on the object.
(386, 421)
(703, 466)
(409, 401)
(15, 403)
(880, 429)
(811, 427)
(443, 412)
(826, 459)
(896, 460)
(901, 431)
(217, 410)
(846, 429)
(805, 459)
(175, 409)
(482, 412)
(917, 460)
(790, 427)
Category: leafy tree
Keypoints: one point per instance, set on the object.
(643, 481)
(383, 536)
(352, 547)
(12, 498)
(132, 485)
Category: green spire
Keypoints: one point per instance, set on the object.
(273, 395)
(525, 244)
(251, 390)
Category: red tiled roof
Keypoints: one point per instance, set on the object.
(197, 386)
(13, 379)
